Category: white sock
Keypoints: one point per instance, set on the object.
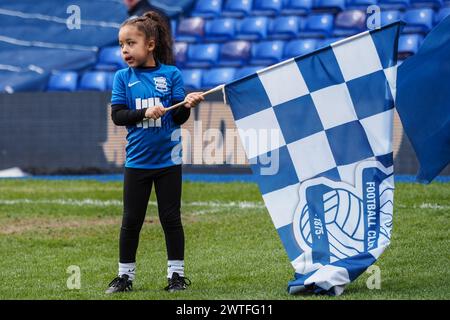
(128, 269)
(175, 266)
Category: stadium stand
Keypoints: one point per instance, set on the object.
(218, 76)
(267, 52)
(63, 81)
(237, 8)
(207, 8)
(408, 44)
(286, 27)
(192, 78)
(267, 7)
(246, 71)
(418, 20)
(202, 55)
(297, 7)
(299, 47)
(360, 4)
(253, 28)
(214, 39)
(349, 22)
(390, 16)
(235, 53)
(221, 29)
(190, 29)
(94, 80)
(333, 6)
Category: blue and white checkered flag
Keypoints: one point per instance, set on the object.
(317, 131)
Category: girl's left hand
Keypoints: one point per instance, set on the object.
(193, 99)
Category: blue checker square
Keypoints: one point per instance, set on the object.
(298, 118)
(287, 236)
(332, 174)
(349, 143)
(273, 170)
(370, 94)
(320, 70)
(383, 42)
(386, 160)
(247, 96)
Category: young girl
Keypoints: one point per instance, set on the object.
(139, 97)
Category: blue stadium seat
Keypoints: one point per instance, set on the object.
(393, 4)
(180, 53)
(349, 22)
(192, 78)
(318, 25)
(266, 7)
(220, 29)
(218, 76)
(63, 81)
(360, 4)
(246, 71)
(190, 29)
(444, 12)
(408, 44)
(418, 20)
(253, 28)
(94, 80)
(299, 47)
(202, 55)
(329, 5)
(173, 27)
(109, 80)
(267, 52)
(436, 4)
(285, 27)
(110, 59)
(297, 7)
(390, 16)
(237, 8)
(235, 53)
(207, 8)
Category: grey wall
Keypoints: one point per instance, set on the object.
(62, 132)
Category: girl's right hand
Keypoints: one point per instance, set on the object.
(155, 112)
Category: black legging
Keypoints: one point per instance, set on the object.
(136, 194)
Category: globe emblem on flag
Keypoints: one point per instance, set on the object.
(344, 224)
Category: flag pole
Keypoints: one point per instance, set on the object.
(179, 104)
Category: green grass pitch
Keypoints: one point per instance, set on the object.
(232, 248)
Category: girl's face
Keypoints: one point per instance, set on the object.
(136, 50)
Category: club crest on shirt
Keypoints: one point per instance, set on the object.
(161, 84)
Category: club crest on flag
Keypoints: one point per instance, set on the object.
(336, 220)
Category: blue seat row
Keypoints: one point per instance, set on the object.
(345, 23)
(241, 8)
(252, 28)
(71, 81)
(195, 77)
(239, 53)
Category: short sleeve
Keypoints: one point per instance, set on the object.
(118, 90)
(178, 93)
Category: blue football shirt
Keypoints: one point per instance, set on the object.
(150, 143)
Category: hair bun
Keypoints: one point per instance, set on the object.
(152, 15)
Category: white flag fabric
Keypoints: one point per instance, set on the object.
(317, 131)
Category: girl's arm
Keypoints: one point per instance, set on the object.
(180, 115)
(122, 116)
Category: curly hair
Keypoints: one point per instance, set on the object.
(155, 27)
